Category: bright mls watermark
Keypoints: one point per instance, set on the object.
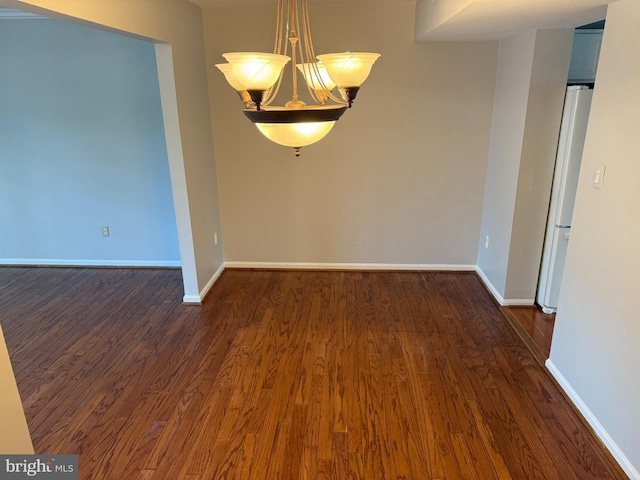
(50, 467)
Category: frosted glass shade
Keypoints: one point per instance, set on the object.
(227, 70)
(295, 134)
(349, 69)
(311, 76)
(254, 70)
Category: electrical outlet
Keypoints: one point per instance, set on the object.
(215, 238)
(486, 241)
(105, 232)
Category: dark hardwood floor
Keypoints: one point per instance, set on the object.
(534, 328)
(538, 325)
(286, 375)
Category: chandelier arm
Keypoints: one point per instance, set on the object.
(314, 96)
(293, 39)
(321, 83)
(311, 54)
(272, 93)
(306, 53)
(279, 42)
(308, 41)
(336, 99)
(309, 57)
(310, 64)
(306, 37)
(312, 91)
(307, 31)
(276, 43)
(311, 86)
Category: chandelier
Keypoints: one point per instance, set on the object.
(257, 78)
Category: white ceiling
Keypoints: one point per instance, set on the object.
(481, 19)
(214, 3)
(495, 19)
(476, 19)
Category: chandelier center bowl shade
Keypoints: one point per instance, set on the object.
(257, 77)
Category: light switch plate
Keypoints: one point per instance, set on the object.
(598, 176)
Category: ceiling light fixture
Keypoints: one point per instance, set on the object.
(257, 78)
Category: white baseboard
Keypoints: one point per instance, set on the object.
(57, 262)
(602, 433)
(490, 286)
(518, 302)
(191, 300)
(504, 302)
(212, 280)
(197, 299)
(350, 266)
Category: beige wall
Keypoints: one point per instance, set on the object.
(596, 341)
(515, 62)
(394, 183)
(189, 136)
(532, 75)
(547, 88)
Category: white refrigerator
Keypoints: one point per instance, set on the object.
(563, 193)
